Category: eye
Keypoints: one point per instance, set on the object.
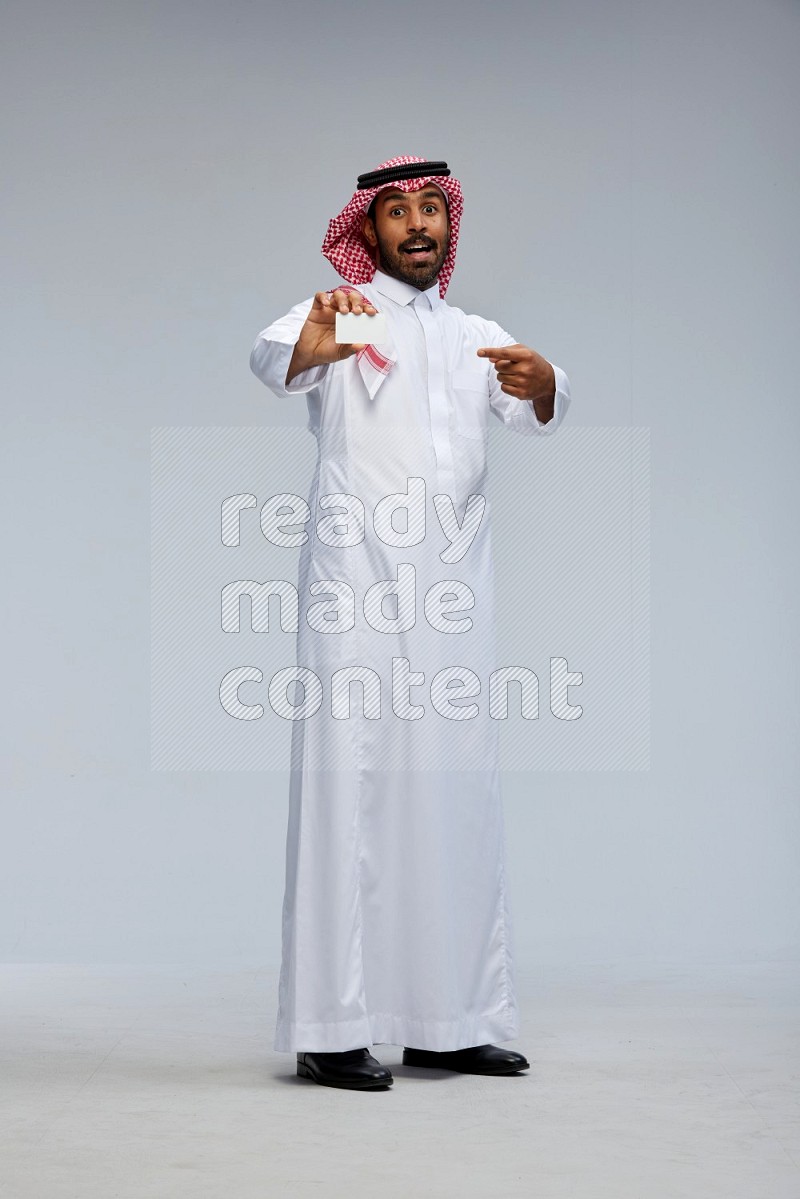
(431, 207)
(394, 211)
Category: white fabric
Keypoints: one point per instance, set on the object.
(396, 918)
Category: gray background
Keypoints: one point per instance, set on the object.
(630, 176)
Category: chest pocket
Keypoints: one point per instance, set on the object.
(471, 402)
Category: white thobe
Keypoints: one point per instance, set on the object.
(396, 920)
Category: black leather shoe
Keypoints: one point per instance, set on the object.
(356, 1069)
(477, 1059)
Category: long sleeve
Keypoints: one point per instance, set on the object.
(560, 406)
(272, 353)
(520, 415)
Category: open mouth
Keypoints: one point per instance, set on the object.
(420, 251)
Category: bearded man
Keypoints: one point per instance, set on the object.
(396, 920)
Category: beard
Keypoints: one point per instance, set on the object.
(400, 266)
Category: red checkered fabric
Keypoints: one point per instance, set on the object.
(345, 247)
(373, 364)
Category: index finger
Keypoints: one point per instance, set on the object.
(513, 353)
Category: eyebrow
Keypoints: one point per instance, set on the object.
(430, 194)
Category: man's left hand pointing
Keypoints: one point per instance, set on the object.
(525, 374)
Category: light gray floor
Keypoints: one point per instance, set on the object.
(160, 1081)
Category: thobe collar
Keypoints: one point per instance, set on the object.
(406, 293)
(375, 361)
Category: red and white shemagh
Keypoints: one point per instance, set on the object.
(347, 250)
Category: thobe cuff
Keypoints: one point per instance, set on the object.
(270, 359)
(560, 403)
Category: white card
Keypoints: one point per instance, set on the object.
(361, 328)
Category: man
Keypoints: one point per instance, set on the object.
(396, 919)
